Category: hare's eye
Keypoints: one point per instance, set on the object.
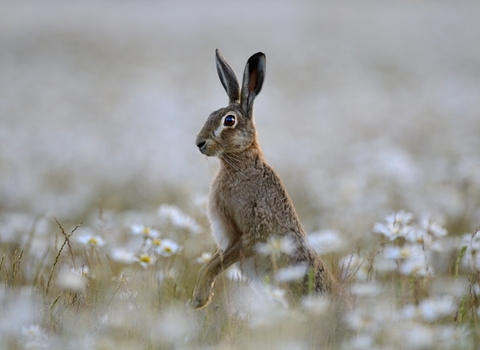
(229, 120)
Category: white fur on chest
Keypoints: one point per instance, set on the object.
(218, 228)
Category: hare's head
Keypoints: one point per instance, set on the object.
(232, 129)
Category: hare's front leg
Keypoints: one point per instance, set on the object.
(202, 294)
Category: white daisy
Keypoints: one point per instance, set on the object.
(396, 225)
(91, 240)
(432, 309)
(325, 241)
(122, 255)
(276, 246)
(146, 231)
(202, 259)
(145, 260)
(178, 218)
(69, 279)
(291, 273)
(166, 247)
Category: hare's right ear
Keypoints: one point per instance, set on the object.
(253, 78)
(228, 78)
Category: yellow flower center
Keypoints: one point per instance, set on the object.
(405, 252)
(145, 259)
(93, 241)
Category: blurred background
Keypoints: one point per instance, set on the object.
(367, 107)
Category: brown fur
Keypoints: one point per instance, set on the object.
(248, 203)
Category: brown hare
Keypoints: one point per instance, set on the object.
(248, 205)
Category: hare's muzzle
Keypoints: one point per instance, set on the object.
(201, 145)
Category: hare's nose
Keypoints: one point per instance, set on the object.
(201, 144)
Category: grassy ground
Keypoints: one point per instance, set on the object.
(369, 112)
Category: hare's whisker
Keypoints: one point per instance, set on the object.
(232, 164)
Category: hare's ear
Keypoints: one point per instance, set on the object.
(228, 78)
(253, 77)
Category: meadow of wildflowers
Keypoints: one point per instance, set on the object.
(370, 113)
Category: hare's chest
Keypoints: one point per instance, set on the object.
(225, 208)
(219, 221)
(218, 227)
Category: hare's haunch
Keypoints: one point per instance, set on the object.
(250, 212)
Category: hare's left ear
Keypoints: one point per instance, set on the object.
(253, 77)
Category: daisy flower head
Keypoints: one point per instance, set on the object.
(456, 337)
(404, 252)
(396, 225)
(419, 236)
(91, 240)
(201, 201)
(412, 257)
(317, 304)
(427, 234)
(433, 227)
(366, 289)
(325, 241)
(145, 231)
(166, 247)
(122, 255)
(472, 241)
(402, 217)
(202, 259)
(264, 306)
(360, 341)
(276, 295)
(276, 246)
(82, 271)
(361, 320)
(470, 244)
(35, 337)
(69, 279)
(145, 260)
(416, 265)
(155, 242)
(175, 216)
(291, 273)
(433, 308)
(423, 237)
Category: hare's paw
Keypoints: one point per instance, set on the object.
(200, 298)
